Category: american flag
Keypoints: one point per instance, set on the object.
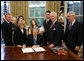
(5, 10)
(62, 6)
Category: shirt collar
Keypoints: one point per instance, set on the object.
(54, 21)
(73, 22)
(35, 37)
(47, 19)
(7, 21)
(22, 30)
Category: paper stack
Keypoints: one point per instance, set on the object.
(27, 50)
(39, 49)
(30, 50)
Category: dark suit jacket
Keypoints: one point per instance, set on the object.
(30, 41)
(19, 37)
(46, 27)
(7, 33)
(55, 34)
(73, 37)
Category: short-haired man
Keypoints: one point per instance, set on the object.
(46, 24)
(7, 30)
(55, 31)
(35, 39)
(73, 33)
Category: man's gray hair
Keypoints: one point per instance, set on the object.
(54, 13)
(13, 19)
(71, 12)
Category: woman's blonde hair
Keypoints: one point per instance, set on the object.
(21, 23)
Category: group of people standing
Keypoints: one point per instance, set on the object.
(14, 32)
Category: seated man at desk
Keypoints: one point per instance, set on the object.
(35, 39)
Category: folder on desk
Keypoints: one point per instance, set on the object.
(31, 50)
(27, 50)
(39, 49)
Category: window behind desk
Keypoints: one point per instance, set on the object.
(77, 7)
(37, 11)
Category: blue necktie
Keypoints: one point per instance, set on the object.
(34, 41)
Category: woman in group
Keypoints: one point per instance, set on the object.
(33, 25)
(20, 18)
(20, 34)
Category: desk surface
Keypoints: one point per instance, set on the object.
(15, 53)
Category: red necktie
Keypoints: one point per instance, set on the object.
(51, 25)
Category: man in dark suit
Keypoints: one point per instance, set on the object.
(35, 39)
(7, 30)
(46, 23)
(55, 31)
(73, 35)
(14, 27)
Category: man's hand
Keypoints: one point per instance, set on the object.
(19, 46)
(63, 44)
(35, 46)
(77, 48)
(52, 45)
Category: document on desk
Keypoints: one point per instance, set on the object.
(31, 50)
(39, 49)
(27, 50)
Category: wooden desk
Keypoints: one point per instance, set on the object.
(15, 53)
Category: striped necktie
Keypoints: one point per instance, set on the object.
(70, 25)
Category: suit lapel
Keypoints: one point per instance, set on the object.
(21, 31)
(45, 21)
(74, 26)
(32, 40)
(8, 25)
(37, 39)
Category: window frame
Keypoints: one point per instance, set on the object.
(34, 13)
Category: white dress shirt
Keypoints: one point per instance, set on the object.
(54, 21)
(7, 21)
(73, 22)
(22, 30)
(47, 20)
